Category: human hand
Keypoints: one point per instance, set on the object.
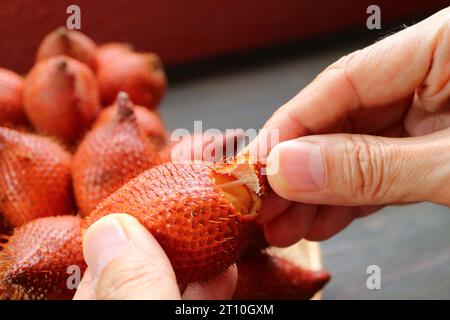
(126, 262)
(370, 130)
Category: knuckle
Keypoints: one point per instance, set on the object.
(433, 94)
(365, 169)
(289, 112)
(346, 61)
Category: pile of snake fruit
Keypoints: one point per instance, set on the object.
(80, 138)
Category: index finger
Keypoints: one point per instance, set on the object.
(383, 73)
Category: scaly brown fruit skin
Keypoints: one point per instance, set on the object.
(71, 43)
(61, 98)
(11, 101)
(114, 152)
(35, 260)
(265, 277)
(35, 177)
(189, 215)
(149, 120)
(141, 75)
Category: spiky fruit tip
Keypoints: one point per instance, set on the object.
(71, 43)
(149, 121)
(111, 154)
(61, 98)
(125, 109)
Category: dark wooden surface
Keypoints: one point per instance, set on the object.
(411, 244)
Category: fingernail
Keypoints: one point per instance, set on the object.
(298, 165)
(104, 241)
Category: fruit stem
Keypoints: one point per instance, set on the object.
(62, 32)
(62, 65)
(125, 108)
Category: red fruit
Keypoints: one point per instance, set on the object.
(73, 44)
(114, 50)
(35, 178)
(149, 121)
(265, 277)
(11, 102)
(61, 98)
(110, 155)
(200, 213)
(139, 74)
(35, 261)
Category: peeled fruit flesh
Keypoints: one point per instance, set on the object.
(61, 98)
(11, 102)
(111, 154)
(201, 213)
(35, 177)
(71, 43)
(237, 194)
(141, 75)
(39, 257)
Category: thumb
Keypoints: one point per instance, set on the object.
(350, 169)
(126, 262)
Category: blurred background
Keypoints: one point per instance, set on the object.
(231, 64)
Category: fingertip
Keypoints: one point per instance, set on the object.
(85, 290)
(126, 261)
(273, 206)
(294, 168)
(291, 226)
(329, 221)
(103, 241)
(139, 237)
